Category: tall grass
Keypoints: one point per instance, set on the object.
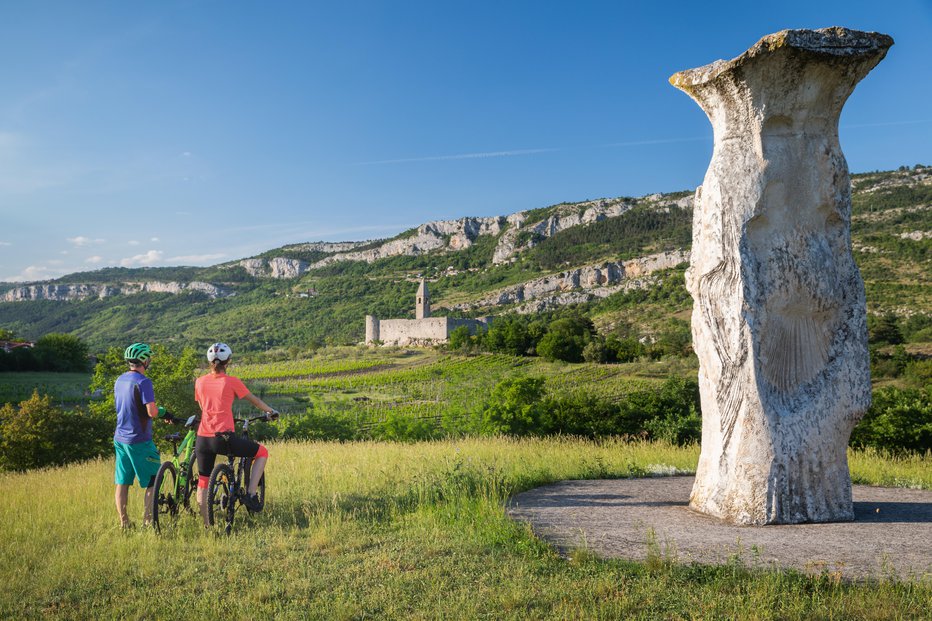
(378, 530)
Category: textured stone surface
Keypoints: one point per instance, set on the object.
(891, 534)
(68, 293)
(277, 267)
(779, 319)
(581, 284)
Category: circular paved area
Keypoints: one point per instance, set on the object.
(891, 534)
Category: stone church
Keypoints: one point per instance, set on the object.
(422, 330)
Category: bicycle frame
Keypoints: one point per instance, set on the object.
(170, 501)
(242, 470)
(184, 456)
(236, 481)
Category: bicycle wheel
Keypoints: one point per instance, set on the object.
(164, 501)
(221, 497)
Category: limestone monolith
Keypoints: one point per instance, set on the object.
(779, 317)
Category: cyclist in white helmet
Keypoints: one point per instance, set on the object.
(215, 392)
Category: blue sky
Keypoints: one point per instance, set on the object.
(197, 132)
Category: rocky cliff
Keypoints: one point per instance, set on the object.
(279, 267)
(580, 285)
(519, 231)
(67, 293)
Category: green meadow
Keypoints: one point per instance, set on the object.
(363, 530)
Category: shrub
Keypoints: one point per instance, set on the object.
(897, 420)
(884, 329)
(626, 349)
(514, 408)
(399, 427)
(460, 338)
(35, 434)
(311, 425)
(566, 338)
(595, 351)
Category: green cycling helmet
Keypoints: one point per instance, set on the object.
(137, 351)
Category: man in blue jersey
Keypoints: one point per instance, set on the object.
(137, 458)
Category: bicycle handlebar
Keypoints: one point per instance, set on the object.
(270, 416)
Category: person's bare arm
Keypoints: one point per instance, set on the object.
(152, 410)
(259, 403)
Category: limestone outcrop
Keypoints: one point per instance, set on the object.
(779, 317)
(442, 234)
(278, 267)
(518, 231)
(68, 293)
(581, 284)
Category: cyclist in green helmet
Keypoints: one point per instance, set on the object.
(137, 458)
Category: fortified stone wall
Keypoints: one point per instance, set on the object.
(417, 331)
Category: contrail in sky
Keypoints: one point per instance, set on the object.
(511, 153)
(461, 156)
(882, 123)
(631, 143)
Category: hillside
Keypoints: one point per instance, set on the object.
(620, 259)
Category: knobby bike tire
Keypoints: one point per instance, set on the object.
(221, 497)
(164, 501)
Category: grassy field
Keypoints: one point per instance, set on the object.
(427, 383)
(65, 388)
(379, 530)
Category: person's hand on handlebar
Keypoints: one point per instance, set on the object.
(271, 415)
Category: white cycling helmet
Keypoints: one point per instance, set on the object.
(219, 351)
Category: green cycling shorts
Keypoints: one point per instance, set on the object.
(136, 461)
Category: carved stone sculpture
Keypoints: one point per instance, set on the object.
(779, 318)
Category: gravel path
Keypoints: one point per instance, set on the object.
(891, 534)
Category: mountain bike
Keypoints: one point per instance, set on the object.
(174, 483)
(227, 488)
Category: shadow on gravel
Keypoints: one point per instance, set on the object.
(890, 512)
(598, 500)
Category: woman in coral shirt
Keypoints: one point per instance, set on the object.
(215, 393)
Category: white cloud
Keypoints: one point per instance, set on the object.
(186, 154)
(197, 258)
(154, 239)
(3, 243)
(149, 258)
(34, 272)
(54, 261)
(94, 259)
(133, 242)
(81, 240)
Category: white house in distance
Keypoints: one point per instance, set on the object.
(422, 330)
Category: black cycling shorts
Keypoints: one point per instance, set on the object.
(227, 443)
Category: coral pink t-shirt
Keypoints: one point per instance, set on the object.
(215, 394)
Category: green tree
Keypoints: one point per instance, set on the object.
(36, 433)
(566, 338)
(172, 378)
(460, 338)
(595, 351)
(884, 329)
(61, 352)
